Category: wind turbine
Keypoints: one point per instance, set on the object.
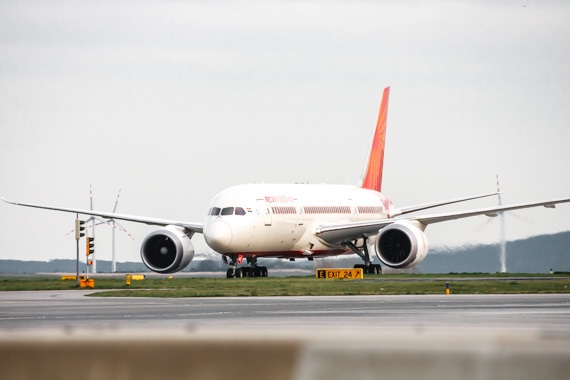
(96, 221)
(502, 237)
(502, 234)
(116, 225)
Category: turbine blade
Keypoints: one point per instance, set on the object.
(117, 201)
(122, 229)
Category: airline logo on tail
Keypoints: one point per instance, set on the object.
(373, 171)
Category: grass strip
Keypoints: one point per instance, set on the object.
(302, 286)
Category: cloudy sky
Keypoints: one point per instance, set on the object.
(173, 101)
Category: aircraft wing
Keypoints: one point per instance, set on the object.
(343, 232)
(490, 211)
(194, 227)
(340, 233)
(407, 210)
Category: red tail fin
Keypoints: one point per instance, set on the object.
(372, 178)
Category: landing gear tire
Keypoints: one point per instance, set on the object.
(258, 272)
(247, 272)
(371, 269)
(375, 269)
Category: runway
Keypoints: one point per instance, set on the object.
(73, 309)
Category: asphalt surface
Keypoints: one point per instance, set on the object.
(73, 309)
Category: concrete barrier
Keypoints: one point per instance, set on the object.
(291, 354)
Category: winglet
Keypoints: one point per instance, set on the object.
(372, 178)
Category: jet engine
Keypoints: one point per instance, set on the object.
(401, 244)
(167, 250)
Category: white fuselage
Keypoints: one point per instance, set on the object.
(280, 220)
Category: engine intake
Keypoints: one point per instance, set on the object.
(167, 250)
(401, 245)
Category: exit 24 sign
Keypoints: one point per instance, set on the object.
(347, 274)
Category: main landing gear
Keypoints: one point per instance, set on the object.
(367, 267)
(252, 271)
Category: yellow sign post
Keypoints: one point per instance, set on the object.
(87, 283)
(133, 277)
(340, 273)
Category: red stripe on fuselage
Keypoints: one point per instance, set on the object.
(293, 254)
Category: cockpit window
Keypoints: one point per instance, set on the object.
(228, 211)
(216, 211)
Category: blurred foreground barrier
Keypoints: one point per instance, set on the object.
(285, 354)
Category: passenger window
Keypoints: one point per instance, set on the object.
(215, 211)
(240, 211)
(228, 211)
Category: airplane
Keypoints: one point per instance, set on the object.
(303, 221)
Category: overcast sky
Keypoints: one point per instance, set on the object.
(173, 101)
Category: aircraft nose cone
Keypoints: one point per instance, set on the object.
(218, 235)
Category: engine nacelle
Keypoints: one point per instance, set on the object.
(401, 244)
(167, 250)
